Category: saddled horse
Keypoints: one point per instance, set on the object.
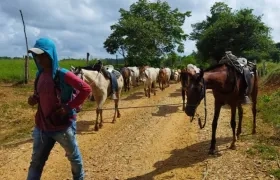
(228, 87)
(126, 73)
(101, 90)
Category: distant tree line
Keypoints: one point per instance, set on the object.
(151, 34)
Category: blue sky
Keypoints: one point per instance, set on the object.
(80, 26)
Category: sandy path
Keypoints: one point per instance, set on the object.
(145, 143)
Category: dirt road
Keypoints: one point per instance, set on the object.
(147, 143)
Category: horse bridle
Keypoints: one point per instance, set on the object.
(203, 96)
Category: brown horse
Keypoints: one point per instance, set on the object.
(162, 79)
(228, 87)
(126, 77)
(184, 85)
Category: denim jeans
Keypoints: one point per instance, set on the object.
(43, 143)
(114, 82)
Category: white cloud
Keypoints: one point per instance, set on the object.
(82, 26)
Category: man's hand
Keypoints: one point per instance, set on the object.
(32, 100)
(63, 109)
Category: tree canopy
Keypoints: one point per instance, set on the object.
(146, 32)
(240, 31)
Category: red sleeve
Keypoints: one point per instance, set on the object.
(77, 83)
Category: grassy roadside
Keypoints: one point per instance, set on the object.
(12, 70)
(265, 145)
(17, 117)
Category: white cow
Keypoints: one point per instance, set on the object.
(149, 76)
(176, 76)
(168, 73)
(134, 75)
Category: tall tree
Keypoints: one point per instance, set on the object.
(241, 31)
(146, 32)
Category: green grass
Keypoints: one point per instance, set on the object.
(17, 117)
(275, 173)
(12, 70)
(265, 151)
(269, 108)
(268, 102)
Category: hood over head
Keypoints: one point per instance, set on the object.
(45, 45)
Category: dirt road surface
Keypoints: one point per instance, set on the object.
(146, 143)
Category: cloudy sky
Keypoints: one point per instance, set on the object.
(80, 26)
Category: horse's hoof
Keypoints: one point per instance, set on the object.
(254, 132)
(114, 121)
(100, 126)
(119, 115)
(233, 147)
(96, 128)
(211, 152)
(237, 137)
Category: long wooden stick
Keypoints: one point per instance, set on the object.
(27, 56)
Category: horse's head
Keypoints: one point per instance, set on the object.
(195, 92)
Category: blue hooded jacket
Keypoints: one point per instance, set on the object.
(48, 46)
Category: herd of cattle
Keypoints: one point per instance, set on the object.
(149, 76)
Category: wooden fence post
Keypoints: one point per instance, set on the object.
(26, 74)
(87, 57)
(26, 69)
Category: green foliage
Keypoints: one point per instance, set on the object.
(146, 32)
(265, 151)
(241, 31)
(269, 105)
(172, 60)
(275, 173)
